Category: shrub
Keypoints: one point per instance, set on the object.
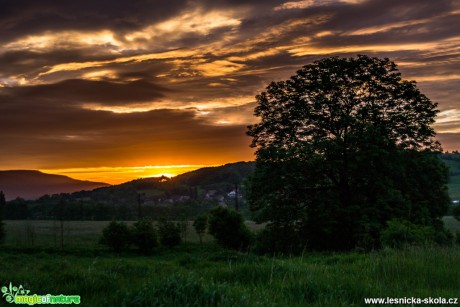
(456, 212)
(169, 233)
(144, 236)
(116, 236)
(200, 224)
(278, 239)
(400, 233)
(443, 237)
(227, 226)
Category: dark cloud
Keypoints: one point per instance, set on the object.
(29, 62)
(442, 28)
(84, 91)
(26, 17)
(382, 12)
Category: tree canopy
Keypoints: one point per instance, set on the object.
(344, 146)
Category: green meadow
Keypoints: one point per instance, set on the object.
(206, 275)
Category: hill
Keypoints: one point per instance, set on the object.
(221, 179)
(229, 173)
(29, 184)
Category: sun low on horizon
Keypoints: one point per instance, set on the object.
(148, 88)
(118, 175)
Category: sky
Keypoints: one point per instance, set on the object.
(115, 90)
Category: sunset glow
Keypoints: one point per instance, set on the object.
(117, 175)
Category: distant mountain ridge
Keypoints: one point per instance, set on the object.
(32, 184)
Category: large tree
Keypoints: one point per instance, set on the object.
(343, 146)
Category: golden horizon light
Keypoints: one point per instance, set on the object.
(118, 175)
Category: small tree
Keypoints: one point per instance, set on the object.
(170, 233)
(144, 236)
(200, 224)
(116, 236)
(227, 226)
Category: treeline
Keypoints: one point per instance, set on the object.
(21, 209)
(453, 162)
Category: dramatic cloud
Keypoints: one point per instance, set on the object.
(109, 85)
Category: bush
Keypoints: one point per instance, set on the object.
(227, 226)
(116, 236)
(200, 224)
(144, 236)
(443, 237)
(456, 212)
(400, 233)
(169, 233)
(278, 239)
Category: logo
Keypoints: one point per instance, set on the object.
(19, 295)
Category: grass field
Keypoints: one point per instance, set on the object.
(77, 234)
(86, 234)
(206, 275)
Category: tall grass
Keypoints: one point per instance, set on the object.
(205, 275)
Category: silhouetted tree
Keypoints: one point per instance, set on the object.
(344, 146)
(200, 224)
(227, 226)
(169, 233)
(116, 236)
(144, 236)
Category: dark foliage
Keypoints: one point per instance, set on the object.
(276, 238)
(400, 233)
(116, 236)
(200, 224)
(227, 226)
(170, 233)
(456, 212)
(144, 236)
(344, 146)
